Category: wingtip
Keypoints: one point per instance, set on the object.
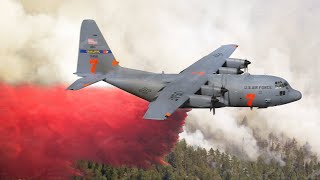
(235, 45)
(88, 21)
(154, 119)
(84, 20)
(72, 88)
(149, 117)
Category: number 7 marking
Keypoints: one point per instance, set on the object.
(250, 98)
(94, 63)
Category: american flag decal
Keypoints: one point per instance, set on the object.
(92, 41)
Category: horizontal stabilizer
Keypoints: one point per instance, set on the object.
(86, 81)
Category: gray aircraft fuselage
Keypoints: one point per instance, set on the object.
(244, 90)
(214, 81)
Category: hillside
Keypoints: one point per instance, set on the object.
(284, 161)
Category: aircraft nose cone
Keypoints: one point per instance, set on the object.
(297, 95)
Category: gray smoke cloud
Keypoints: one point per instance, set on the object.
(39, 44)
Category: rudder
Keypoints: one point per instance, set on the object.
(95, 56)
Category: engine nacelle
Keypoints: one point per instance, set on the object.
(210, 91)
(237, 63)
(207, 90)
(199, 101)
(227, 70)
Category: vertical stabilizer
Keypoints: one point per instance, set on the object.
(95, 56)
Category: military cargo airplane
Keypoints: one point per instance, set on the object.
(215, 81)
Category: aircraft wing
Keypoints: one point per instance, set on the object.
(173, 96)
(212, 62)
(176, 93)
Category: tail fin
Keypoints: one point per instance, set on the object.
(95, 56)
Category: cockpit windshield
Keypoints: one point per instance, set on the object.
(280, 84)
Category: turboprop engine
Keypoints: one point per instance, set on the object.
(234, 66)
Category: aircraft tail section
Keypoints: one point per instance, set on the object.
(95, 56)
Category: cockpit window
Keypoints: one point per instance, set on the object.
(280, 84)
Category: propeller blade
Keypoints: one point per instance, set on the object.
(212, 107)
(223, 90)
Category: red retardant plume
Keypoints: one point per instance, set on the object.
(45, 130)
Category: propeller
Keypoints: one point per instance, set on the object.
(213, 101)
(223, 90)
(246, 63)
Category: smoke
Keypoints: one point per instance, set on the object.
(44, 130)
(39, 44)
(222, 133)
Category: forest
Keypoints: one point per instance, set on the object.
(287, 160)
